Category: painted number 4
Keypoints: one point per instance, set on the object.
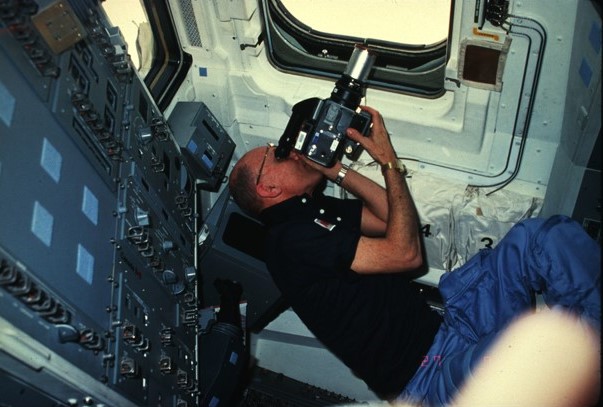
(426, 230)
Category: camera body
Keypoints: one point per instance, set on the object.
(317, 127)
(321, 135)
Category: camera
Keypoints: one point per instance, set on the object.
(317, 127)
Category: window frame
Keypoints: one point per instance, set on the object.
(170, 64)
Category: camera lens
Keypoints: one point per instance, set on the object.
(360, 63)
(350, 88)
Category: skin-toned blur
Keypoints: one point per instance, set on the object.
(543, 359)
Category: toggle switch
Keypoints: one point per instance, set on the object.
(169, 277)
(67, 333)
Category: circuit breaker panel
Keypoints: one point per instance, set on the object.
(98, 275)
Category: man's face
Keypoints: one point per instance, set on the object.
(292, 172)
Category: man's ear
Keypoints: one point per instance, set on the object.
(268, 191)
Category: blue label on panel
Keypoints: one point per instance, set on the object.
(90, 206)
(51, 160)
(7, 105)
(594, 37)
(192, 146)
(207, 161)
(41, 223)
(202, 71)
(85, 264)
(233, 358)
(586, 72)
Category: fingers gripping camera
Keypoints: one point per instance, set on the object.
(317, 128)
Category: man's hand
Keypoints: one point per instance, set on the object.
(400, 248)
(378, 143)
(329, 173)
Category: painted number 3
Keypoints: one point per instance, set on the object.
(488, 242)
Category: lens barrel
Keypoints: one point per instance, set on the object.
(360, 63)
(350, 88)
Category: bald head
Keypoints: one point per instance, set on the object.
(242, 182)
(258, 180)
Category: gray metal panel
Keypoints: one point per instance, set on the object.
(85, 156)
(56, 213)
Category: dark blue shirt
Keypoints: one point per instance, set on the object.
(377, 324)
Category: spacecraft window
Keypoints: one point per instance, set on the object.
(413, 22)
(410, 38)
(131, 18)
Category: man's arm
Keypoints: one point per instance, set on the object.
(400, 248)
(373, 196)
(390, 242)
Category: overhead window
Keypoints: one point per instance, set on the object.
(316, 37)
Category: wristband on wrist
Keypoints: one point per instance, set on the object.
(341, 174)
(395, 165)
